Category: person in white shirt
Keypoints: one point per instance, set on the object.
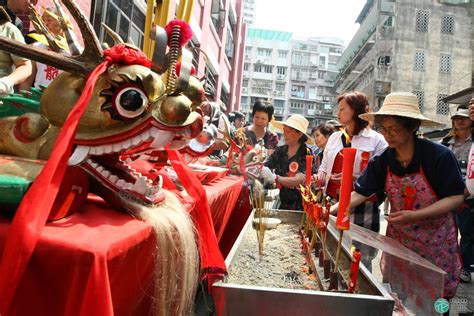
(356, 134)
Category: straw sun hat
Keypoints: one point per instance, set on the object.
(403, 104)
(297, 122)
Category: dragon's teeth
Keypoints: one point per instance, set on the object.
(80, 154)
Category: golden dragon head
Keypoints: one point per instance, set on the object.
(134, 112)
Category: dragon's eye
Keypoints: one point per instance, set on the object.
(130, 101)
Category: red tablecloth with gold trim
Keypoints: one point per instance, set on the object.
(99, 261)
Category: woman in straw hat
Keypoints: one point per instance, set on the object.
(356, 134)
(289, 161)
(423, 184)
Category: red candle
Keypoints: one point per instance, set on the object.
(354, 271)
(409, 200)
(342, 221)
(365, 156)
(309, 169)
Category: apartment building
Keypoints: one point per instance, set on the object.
(420, 46)
(295, 75)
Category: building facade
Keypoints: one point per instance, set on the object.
(419, 46)
(295, 75)
(249, 11)
(218, 41)
(313, 70)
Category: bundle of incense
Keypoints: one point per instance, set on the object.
(323, 224)
(315, 217)
(302, 190)
(260, 214)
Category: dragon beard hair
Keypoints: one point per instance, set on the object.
(176, 259)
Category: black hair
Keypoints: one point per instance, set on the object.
(235, 115)
(259, 106)
(324, 128)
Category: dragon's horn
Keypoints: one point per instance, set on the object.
(115, 37)
(82, 64)
(93, 50)
(72, 42)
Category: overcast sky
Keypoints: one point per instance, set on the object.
(310, 17)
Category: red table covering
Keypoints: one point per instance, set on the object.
(99, 261)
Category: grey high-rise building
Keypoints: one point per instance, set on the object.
(421, 46)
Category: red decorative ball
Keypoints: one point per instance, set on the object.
(186, 32)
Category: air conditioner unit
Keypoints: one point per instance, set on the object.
(280, 93)
(281, 77)
(311, 111)
(326, 99)
(247, 55)
(244, 89)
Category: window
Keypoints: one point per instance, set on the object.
(421, 98)
(388, 22)
(246, 66)
(312, 93)
(281, 70)
(279, 103)
(267, 69)
(384, 61)
(296, 105)
(321, 74)
(441, 106)
(245, 82)
(123, 17)
(445, 62)
(248, 51)
(422, 20)
(322, 61)
(265, 52)
(297, 91)
(280, 87)
(419, 63)
(282, 54)
(257, 67)
(447, 24)
(217, 14)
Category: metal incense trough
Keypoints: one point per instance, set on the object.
(240, 299)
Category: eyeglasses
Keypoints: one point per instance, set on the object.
(389, 131)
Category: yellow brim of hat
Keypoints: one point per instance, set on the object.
(279, 125)
(425, 121)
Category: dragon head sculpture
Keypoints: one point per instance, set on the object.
(132, 113)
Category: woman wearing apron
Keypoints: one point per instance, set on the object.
(430, 171)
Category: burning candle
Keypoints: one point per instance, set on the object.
(354, 271)
(309, 167)
(409, 200)
(365, 156)
(342, 221)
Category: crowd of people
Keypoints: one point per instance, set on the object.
(441, 173)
